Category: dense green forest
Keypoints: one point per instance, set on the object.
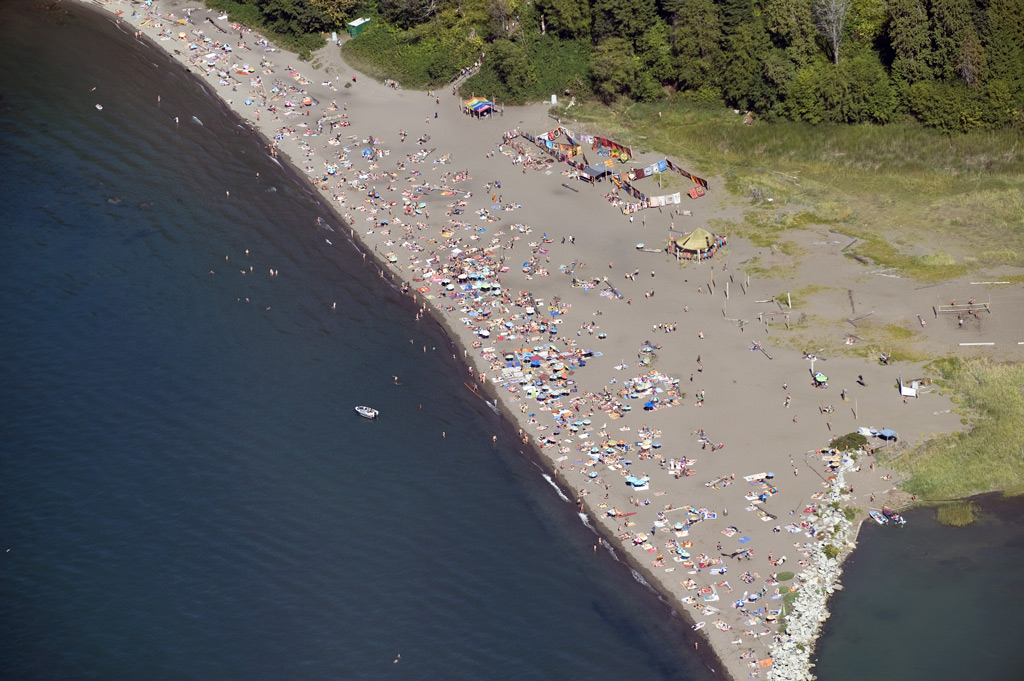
(955, 65)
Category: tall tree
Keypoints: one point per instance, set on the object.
(566, 18)
(696, 45)
(338, 10)
(734, 14)
(951, 21)
(512, 65)
(910, 41)
(408, 13)
(971, 63)
(791, 25)
(654, 54)
(627, 19)
(830, 17)
(743, 79)
(1003, 38)
(614, 67)
(501, 17)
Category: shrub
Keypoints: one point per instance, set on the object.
(296, 26)
(849, 441)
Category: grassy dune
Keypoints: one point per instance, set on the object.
(990, 455)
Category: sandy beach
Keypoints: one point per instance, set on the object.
(654, 389)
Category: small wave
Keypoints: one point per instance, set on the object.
(585, 518)
(198, 121)
(640, 578)
(327, 226)
(557, 489)
(272, 190)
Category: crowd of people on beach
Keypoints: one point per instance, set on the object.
(479, 268)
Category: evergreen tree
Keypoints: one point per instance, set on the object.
(512, 65)
(950, 23)
(734, 13)
(910, 41)
(696, 45)
(628, 19)
(867, 93)
(743, 79)
(566, 18)
(614, 68)
(791, 25)
(654, 54)
(971, 63)
(1002, 36)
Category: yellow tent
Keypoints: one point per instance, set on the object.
(699, 239)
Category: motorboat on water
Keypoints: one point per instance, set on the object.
(878, 517)
(367, 412)
(894, 517)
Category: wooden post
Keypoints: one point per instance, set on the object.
(789, 301)
(727, 290)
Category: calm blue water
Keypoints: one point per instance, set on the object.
(931, 602)
(186, 491)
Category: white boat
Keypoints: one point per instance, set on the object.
(367, 412)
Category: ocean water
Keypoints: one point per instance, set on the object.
(186, 491)
(927, 601)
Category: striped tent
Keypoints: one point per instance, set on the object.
(478, 105)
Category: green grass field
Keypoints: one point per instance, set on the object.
(987, 457)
